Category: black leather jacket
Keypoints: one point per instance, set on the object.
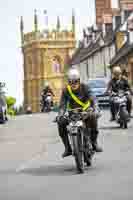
(46, 91)
(115, 85)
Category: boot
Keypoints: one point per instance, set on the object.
(87, 161)
(68, 150)
(95, 146)
(112, 112)
(112, 118)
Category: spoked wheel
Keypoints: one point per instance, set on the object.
(124, 116)
(78, 153)
(125, 125)
(88, 152)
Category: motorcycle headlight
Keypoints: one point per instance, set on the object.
(79, 123)
(116, 99)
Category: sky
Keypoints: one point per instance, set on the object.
(11, 59)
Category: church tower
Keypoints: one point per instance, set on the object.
(44, 57)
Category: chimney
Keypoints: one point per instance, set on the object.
(107, 28)
(95, 32)
(87, 36)
(107, 24)
(130, 29)
(124, 15)
(116, 21)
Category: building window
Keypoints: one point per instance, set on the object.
(56, 64)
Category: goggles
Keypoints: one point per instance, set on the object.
(73, 82)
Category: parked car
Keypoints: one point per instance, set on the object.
(98, 87)
(3, 109)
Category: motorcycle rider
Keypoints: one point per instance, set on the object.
(72, 93)
(119, 82)
(47, 90)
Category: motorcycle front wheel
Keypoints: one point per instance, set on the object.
(78, 152)
(88, 153)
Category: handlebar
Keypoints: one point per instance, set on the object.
(75, 109)
(117, 93)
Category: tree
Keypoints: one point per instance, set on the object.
(10, 105)
(10, 101)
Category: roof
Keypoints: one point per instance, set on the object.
(79, 54)
(83, 53)
(126, 49)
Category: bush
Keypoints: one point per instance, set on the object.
(10, 105)
(11, 112)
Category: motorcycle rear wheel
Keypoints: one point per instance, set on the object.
(124, 118)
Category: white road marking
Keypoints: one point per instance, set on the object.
(33, 160)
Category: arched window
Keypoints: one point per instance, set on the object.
(56, 64)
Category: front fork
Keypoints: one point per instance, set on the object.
(80, 136)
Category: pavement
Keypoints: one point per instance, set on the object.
(31, 166)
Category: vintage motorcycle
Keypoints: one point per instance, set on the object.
(120, 108)
(79, 138)
(46, 103)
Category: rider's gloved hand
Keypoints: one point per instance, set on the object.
(87, 113)
(61, 118)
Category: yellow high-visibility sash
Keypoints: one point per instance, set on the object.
(77, 100)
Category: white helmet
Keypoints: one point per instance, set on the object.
(46, 84)
(73, 74)
(117, 70)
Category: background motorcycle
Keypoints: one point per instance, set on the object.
(120, 106)
(46, 103)
(80, 141)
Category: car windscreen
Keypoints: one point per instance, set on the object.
(97, 84)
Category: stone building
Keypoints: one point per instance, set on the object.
(44, 57)
(124, 48)
(102, 7)
(93, 57)
(109, 8)
(126, 4)
(102, 41)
